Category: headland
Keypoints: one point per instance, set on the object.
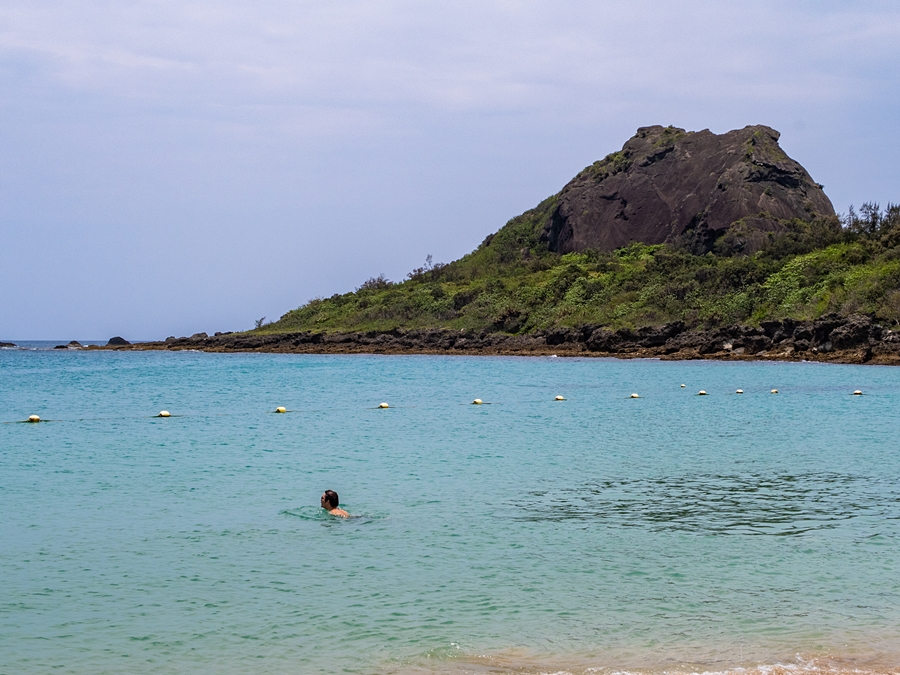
(681, 245)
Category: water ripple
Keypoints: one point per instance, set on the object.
(735, 504)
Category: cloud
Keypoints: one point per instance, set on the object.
(482, 56)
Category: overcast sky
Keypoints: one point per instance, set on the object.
(174, 167)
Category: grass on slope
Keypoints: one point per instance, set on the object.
(511, 283)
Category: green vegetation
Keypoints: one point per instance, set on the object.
(513, 284)
(669, 137)
(613, 163)
(761, 146)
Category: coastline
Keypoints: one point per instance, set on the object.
(848, 660)
(855, 339)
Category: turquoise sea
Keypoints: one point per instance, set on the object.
(601, 534)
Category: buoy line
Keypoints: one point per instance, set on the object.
(164, 414)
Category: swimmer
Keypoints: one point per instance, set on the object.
(330, 501)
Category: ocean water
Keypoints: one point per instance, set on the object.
(600, 534)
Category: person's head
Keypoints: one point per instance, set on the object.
(330, 500)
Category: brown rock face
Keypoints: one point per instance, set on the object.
(668, 185)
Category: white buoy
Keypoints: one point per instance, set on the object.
(164, 413)
(34, 418)
(383, 405)
(701, 393)
(774, 391)
(281, 409)
(857, 393)
(739, 391)
(560, 398)
(477, 401)
(635, 396)
(683, 386)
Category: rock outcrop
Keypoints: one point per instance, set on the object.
(669, 185)
(845, 339)
(74, 344)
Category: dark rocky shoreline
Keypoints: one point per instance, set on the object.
(832, 338)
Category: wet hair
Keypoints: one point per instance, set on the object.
(332, 498)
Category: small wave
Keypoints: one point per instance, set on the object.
(308, 513)
(512, 663)
(316, 514)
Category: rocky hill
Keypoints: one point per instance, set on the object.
(680, 245)
(667, 185)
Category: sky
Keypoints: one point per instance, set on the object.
(168, 168)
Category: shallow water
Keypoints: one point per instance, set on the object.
(667, 533)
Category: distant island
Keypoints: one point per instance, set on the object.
(680, 245)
